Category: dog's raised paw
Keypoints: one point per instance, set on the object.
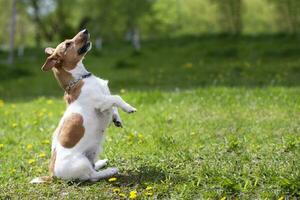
(118, 123)
(131, 110)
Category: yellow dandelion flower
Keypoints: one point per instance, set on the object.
(122, 195)
(13, 171)
(40, 114)
(122, 91)
(14, 125)
(133, 194)
(116, 190)
(49, 102)
(281, 198)
(42, 155)
(223, 198)
(1, 146)
(31, 161)
(141, 136)
(149, 194)
(188, 65)
(1, 103)
(46, 141)
(29, 146)
(148, 188)
(112, 179)
(39, 170)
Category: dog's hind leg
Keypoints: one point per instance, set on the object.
(106, 173)
(100, 164)
(74, 167)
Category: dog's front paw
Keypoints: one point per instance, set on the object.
(130, 109)
(117, 120)
(117, 123)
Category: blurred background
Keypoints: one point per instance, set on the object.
(153, 44)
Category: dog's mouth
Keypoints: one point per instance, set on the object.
(85, 48)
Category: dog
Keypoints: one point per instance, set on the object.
(77, 140)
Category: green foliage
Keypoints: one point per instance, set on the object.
(288, 15)
(230, 12)
(186, 62)
(40, 21)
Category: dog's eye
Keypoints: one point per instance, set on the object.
(68, 44)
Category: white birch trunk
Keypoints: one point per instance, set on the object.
(136, 40)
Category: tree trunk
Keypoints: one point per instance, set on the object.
(12, 33)
(237, 7)
(136, 39)
(98, 43)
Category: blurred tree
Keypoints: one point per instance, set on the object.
(41, 29)
(133, 11)
(103, 18)
(52, 18)
(288, 15)
(10, 59)
(62, 18)
(230, 12)
(259, 17)
(109, 19)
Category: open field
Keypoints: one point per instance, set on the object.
(211, 122)
(183, 63)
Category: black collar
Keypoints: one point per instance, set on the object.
(86, 75)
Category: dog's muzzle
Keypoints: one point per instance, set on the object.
(84, 48)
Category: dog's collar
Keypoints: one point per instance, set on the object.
(75, 81)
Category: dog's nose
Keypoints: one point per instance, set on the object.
(85, 31)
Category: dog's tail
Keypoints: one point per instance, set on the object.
(43, 179)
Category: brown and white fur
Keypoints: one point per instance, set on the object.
(77, 139)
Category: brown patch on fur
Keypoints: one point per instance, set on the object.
(63, 77)
(52, 162)
(72, 131)
(65, 57)
(74, 92)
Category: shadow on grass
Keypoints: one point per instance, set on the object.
(143, 176)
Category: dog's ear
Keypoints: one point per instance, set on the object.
(49, 51)
(50, 63)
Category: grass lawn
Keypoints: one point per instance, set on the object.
(212, 142)
(211, 122)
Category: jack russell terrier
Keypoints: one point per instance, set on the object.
(77, 139)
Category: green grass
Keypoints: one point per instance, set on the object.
(202, 143)
(216, 117)
(168, 64)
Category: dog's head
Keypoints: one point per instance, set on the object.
(68, 53)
